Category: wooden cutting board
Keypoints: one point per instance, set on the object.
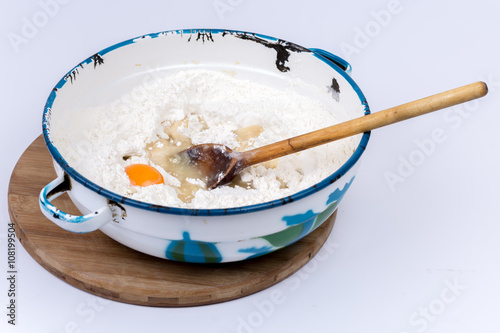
(101, 266)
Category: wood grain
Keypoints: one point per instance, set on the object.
(97, 264)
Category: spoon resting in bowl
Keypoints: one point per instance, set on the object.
(218, 164)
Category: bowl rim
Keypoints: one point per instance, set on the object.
(202, 211)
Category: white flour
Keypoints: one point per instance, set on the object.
(212, 106)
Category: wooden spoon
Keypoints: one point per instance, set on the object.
(219, 164)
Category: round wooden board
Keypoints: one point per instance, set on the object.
(99, 265)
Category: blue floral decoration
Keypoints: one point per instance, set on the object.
(188, 250)
(257, 251)
(311, 220)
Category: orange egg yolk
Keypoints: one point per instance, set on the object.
(143, 175)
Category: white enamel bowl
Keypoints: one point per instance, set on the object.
(197, 235)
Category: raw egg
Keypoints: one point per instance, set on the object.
(143, 175)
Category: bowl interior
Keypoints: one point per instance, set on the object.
(108, 74)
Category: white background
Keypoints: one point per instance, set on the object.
(418, 255)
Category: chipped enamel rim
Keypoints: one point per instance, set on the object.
(190, 211)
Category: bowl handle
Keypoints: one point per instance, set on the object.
(333, 58)
(73, 223)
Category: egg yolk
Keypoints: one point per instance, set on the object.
(143, 175)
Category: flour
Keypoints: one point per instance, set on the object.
(202, 106)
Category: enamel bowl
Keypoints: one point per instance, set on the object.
(197, 235)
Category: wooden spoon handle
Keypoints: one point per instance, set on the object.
(365, 123)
